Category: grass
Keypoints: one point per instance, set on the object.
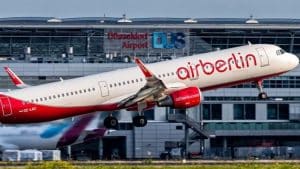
(200, 167)
(66, 165)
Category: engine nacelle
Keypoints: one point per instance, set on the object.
(182, 99)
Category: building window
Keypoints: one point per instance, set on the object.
(278, 111)
(179, 127)
(212, 111)
(244, 111)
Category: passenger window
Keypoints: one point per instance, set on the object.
(41, 99)
(124, 83)
(132, 81)
(115, 85)
(62, 95)
(54, 96)
(76, 92)
(45, 98)
(58, 96)
(50, 97)
(89, 90)
(110, 85)
(93, 89)
(72, 93)
(128, 82)
(37, 100)
(141, 79)
(84, 90)
(80, 91)
(120, 84)
(159, 76)
(67, 94)
(32, 100)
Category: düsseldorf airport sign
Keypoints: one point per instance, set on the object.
(160, 40)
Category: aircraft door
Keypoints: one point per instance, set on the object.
(103, 88)
(5, 106)
(263, 57)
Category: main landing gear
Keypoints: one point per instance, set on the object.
(140, 120)
(111, 122)
(262, 95)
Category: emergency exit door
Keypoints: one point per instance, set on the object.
(263, 57)
(103, 88)
(5, 106)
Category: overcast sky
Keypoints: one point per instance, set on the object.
(152, 8)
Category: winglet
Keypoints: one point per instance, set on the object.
(14, 78)
(146, 72)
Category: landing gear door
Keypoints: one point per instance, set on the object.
(263, 57)
(5, 106)
(103, 88)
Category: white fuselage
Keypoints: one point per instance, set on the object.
(206, 71)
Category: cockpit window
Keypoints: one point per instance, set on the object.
(280, 52)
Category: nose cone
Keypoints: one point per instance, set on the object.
(293, 60)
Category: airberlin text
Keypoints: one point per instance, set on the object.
(234, 62)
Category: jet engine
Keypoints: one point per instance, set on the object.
(182, 99)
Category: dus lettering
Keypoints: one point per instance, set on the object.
(160, 40)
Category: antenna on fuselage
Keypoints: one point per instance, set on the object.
(61, 79)
(249, 43)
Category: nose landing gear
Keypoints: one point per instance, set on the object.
(262, 95)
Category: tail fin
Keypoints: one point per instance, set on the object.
(72, 134)
(15, 78)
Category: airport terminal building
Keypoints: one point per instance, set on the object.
(231, 122)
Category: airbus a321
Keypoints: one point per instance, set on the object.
(177, 83)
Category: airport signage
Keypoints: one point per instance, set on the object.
(131, 40)
(139, 40)
(173, 40)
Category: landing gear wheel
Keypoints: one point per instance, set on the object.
(111, 122)
(139, 121)
(263, 96)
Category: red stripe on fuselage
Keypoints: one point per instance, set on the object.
(25, 112)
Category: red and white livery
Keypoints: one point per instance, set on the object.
(176, 83)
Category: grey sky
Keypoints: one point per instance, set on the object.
(152, 8)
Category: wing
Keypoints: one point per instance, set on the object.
(154, 89)
(15, 78)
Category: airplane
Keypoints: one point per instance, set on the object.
(177, 83)
(48, 136)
